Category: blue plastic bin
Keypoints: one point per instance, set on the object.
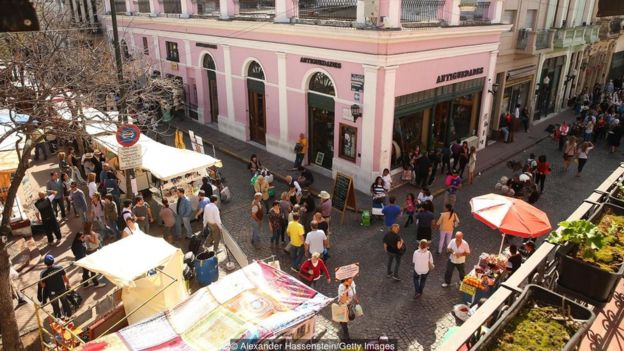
(206, 268)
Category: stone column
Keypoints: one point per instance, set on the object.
(283, 96)
(486, 101)
(157, 53)
(229, 85)
(450, 12)
(561, 89)
(155, 7)
(228, 8)
(187, 8)
(360, 16)
(393, 20)
(387, 117)
(368, 120)
(562, 9)
(496, 11)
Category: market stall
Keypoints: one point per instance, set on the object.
(163, 169)
(484, 278)
(258, 304)
(148, 269)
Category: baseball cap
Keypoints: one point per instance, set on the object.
(48, 260)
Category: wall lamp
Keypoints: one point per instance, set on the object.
(356, 111)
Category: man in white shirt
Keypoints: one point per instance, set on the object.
(458, 250)
(212, 221)
(316, 240)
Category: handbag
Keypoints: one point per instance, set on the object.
(358, 310)
(339, 313)
(431, 265)
(351, 309)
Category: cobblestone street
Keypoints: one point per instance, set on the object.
(388, 305)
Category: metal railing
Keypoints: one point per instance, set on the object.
(539, 269)
(208, 7)
(257, 7)
(172, 6)
(543, 39)
(523, 39)
(120, 6)
(328, 9)
(482, 12)
(144, 6)
(421, 10)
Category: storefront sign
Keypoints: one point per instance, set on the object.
(203, 45)
(128, 135)
(130, 157)
(458, 75)
(357, 82)
(347, 115)
(321, 62)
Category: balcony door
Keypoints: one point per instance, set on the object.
(213, 96)
(256, 100)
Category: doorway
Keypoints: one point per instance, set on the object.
(321, 117)
(213, 96)
(256, 103)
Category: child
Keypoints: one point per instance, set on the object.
(407, 173)
(387, 179)
(409, 208)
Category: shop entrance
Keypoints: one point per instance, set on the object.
(256, 103)
(547, 94)
(213, 98)
(321, 120)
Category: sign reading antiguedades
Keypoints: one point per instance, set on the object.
(321, 62)
(459, 75)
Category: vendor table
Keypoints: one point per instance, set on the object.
(484, 278)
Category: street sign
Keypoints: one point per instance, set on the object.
(130, 157)
(128, 135)
(348, 271)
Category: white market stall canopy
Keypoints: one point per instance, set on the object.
(162, 161)
(130, 264)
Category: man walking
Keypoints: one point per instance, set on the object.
(453, 183)
(256, 218)
(212, 220)
(458, 250)
(56, 185)
(184, 212)
(300, 149)
(53, 284)
(391, 212)
(394, 247)
(296, 232)
(79, 202)
(316, 241)
(46, 215)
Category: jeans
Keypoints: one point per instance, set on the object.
(562, 141)
(186, 221)
(276, 234)
(255, 231)
(450, 266)
(394, 257)
(112, 226)
(505, 132)
(55, 304)
(296, 254)
(82, 214)
(299, 160)
(56, 203)
(419, 282)
(450, 198)
(445, 239)
(540, 179)
(581, 164)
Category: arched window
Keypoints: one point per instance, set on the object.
(208, 62)
(321, 83)
(255, 71)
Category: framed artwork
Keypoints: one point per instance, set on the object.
(348, 142)
(320, 156)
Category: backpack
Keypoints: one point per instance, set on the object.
(298, 148)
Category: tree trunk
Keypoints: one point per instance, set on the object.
(8, 324)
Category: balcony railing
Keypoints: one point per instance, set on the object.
(480, 14)
(328, 9)
(257, 8)
(208, 7)
(566, 37)
(172, 6)
(120, 6)
(427, 11)
(592, 34)
(144, 6)
(530, 42)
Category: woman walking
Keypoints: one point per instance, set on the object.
(614, 135)
(569, 150)
(464, 155)
(143, 214)
(423, 263)
(275, 223)
(472, 164)
(582, 156)
(347, 295)
(168, 218)
(262, 186)
(310, 270)
(447, 222)
(543, 169)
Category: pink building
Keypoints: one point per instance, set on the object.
(263, 71)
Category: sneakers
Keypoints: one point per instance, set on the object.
(396, 278)
(417, 295)
(389, 275)
(99, 285)
(444, 285)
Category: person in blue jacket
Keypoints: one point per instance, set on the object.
(185, 213)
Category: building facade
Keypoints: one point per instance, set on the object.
(365, 90)
(540, 61)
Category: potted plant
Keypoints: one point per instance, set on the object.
(591, 255)
(539, 320)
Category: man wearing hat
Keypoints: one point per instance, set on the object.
(326, 205)
(256, 217)
(53, 284)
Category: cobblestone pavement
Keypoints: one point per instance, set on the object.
(388, 305)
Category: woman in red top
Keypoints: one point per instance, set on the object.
(543, 169)
(310, 270)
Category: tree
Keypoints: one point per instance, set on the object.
(50, 76)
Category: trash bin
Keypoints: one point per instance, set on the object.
(206, 268)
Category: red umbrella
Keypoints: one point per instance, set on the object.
(510, 216)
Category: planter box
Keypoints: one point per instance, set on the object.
(582, 280)
(544, 297)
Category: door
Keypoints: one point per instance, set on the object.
(321, 143)
(440, 125)
(257, 120)
(214, 100)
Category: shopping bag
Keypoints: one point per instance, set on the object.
(340, 313)
(358, 310)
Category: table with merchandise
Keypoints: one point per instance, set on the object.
(484, 278)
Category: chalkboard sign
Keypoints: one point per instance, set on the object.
(343, 196)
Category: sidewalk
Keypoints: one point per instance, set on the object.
(487, 158)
